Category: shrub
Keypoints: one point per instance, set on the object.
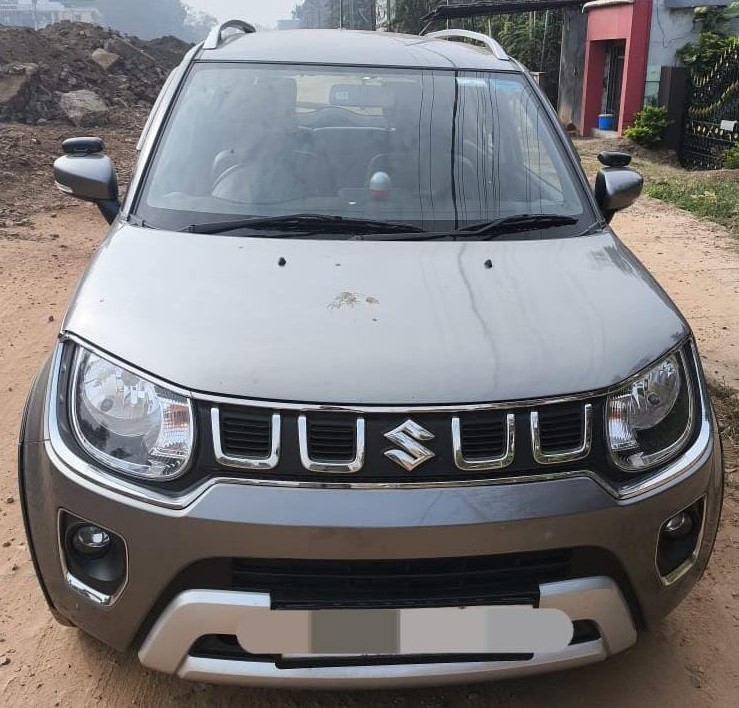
(648, 126)
(731, 157)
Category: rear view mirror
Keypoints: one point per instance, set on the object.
(617, 188)
(87, 174)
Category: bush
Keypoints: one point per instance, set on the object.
(731, 157)
(648, 126)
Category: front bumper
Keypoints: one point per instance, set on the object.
(161, 600)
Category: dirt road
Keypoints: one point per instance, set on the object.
(690, 660)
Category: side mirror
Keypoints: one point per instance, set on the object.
(86, 173)
(617, 188)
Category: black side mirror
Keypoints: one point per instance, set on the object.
(614, 159)
(617, 188)
(86, 173)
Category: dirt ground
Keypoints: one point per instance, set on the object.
(45, 242)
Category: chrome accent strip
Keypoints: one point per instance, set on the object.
(94, 478)
(195, 613)
(494, 463)
(90, 594)
(350, 467)
(682, 570)
(544, 458)
(395, 410)
(246, 463)
(408, 437)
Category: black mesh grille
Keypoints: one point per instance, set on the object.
(246, 434)
(561, 427)
(483, 437)
(368, 582)
(332, 439)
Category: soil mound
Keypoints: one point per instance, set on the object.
(44, 72)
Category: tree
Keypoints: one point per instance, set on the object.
(144, 18)
(351, 14)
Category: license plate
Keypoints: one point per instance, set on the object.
(432, 630)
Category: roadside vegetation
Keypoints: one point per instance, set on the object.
(714, 198)
(710, 194)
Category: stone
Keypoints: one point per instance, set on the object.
(83, 108)
(105, 59)
(16, 87)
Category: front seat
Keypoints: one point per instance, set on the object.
(268, 166)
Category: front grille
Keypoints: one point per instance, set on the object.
(483, 437)
(561, 427)
(442, 581)
(443, 446)
(332, 439)
(246, 434)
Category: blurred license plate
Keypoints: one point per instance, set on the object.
(433, 630)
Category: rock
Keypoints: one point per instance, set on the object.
(107, 60)
(83, 107)
(17, 83)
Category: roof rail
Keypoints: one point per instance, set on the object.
(489, 42)
(215, 38)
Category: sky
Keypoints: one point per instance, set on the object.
(263, 12)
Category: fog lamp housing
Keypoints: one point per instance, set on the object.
(679, 541)
(94, 558)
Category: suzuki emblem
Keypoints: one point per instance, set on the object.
(408, 437)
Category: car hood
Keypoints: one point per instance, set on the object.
(355, 322)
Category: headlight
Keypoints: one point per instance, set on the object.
(127, 423)
(649, 419)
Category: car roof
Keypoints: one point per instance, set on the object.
(353, 48)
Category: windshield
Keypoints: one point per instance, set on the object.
(435, 149)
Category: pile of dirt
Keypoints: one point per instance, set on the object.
(78, 72)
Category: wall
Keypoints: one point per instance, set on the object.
(672, 28)
(628, 21)
(572, 66)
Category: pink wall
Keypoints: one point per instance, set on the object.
(630, 22)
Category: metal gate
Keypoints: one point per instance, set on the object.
(712, 115)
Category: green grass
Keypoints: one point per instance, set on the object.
(715, 199)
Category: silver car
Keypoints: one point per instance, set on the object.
(361, 389)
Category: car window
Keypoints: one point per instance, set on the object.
(436, 149)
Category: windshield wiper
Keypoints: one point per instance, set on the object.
(307, 223)
(492, 228)
(487, 230)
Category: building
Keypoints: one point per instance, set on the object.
(39, 13)
(613, 52)
(288, 24)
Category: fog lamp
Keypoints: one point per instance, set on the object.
(91, 541)
(679, 526)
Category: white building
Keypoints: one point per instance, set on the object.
(27, 13)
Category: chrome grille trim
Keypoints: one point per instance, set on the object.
(246, 463)
(494, 463)
(350, 467)
(579, 453)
